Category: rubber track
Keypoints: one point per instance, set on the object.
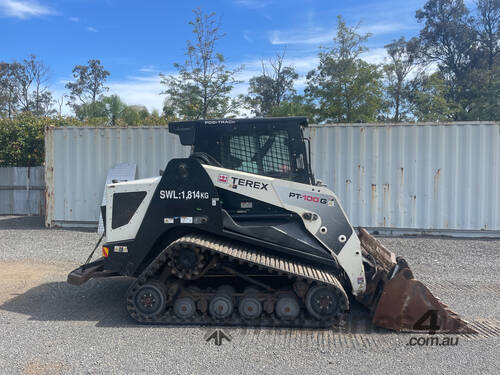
(240, 253)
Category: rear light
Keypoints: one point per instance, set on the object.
(105, 251)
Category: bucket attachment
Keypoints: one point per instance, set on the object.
(400, 302)
(408, 305)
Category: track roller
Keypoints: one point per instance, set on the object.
(221, 306)
(287, 307)
(184, 307)
(250, 307)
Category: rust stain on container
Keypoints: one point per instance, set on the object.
(436, 182)
(386, 191)
(361, 170)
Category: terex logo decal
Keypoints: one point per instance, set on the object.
(311, 198)
(253, 184)
(238, 181)
(223, 178)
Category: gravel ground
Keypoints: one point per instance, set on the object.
(48, 326)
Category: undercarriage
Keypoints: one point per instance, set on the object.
(205, 280)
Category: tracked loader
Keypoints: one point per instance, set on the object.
(241, 233)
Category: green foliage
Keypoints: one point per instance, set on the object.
(345, 87)
(24, 88)
(296, 105)
(22, 139)
(402, 56)
(112, 111)
(88, 86)
(466, 49)
(275, 85)
(428, 98)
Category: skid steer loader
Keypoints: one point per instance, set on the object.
(241, 233)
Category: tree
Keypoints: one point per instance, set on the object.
(25, 77)
(24, 88)
(449, 40)
(428, 98)
(88, 86)
(41, 97)
(402, 58)
(483, 81)
(274, 85)
(488, 27)
(60, 103)
(295, 105)
(202, 85)
(447, 37)
(10, 89)
(114, 108)
(346, 88)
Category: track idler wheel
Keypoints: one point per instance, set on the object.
(221, 306)
(322, 302)
(150, 299)
(250, 307)
(287, 307)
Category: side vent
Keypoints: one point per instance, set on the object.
(124, 207)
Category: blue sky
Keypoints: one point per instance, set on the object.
(135, 40)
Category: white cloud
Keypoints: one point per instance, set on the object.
(24, 9)
(318, 35)
(142, 90)
(91, 29)
(74, 19)
(384, 28)
(253, 4)
(149, 69)
(247, 36)
(311, 36)
(375, 55)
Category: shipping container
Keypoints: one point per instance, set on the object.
(394, 178)
(21, 191)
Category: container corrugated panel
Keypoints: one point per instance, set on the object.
(22, 191)
(430, 176)
(78, 159)
(422, 177)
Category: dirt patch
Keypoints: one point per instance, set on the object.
(16, 277)
(41, 367)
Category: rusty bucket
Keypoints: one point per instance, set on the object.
(400, 302)
(406, 304)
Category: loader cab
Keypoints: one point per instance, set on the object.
(273, 147)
